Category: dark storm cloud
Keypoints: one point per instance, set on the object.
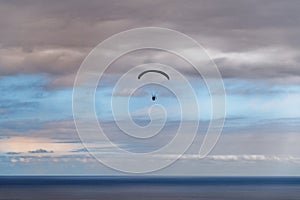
(247, 39)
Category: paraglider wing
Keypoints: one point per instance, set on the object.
(155, 71)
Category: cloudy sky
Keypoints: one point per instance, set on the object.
(255, 45)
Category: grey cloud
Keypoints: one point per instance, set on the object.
(84, 150)
(63, 131)
(59, 22)
(54, 37)
(249, 158)
(260, 63)
(13, 153)
(78, 23)
(65, 23)
(40, 151)
(238, 158)
(51, 61)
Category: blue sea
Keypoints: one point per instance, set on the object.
(112, 188)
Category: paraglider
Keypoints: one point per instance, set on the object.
(155, 71)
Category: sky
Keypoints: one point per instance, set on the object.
(255, 45)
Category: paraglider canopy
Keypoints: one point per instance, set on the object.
(155, 71)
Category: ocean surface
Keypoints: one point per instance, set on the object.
(175, 188)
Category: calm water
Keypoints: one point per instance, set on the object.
(148, 188)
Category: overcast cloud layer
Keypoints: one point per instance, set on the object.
(246, 39)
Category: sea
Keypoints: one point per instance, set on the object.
(142, 188)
